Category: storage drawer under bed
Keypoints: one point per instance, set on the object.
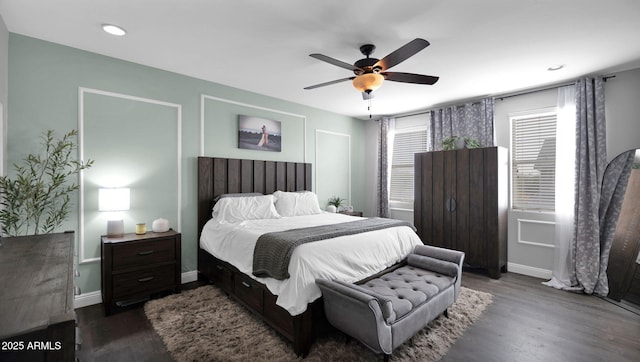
(249, 291)
(222, 275)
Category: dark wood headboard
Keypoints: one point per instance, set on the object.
(218, 176)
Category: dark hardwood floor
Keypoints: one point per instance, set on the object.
(526, 322)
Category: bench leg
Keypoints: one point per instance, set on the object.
(386, 357)
(446, 313)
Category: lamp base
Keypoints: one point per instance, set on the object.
(115, 228)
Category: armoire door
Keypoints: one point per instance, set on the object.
(459, 204)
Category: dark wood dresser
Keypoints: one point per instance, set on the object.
(136, 266)
(37, 318)
(461, 201)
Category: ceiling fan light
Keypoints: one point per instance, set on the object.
(368, 82)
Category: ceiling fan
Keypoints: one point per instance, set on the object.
(371, 72)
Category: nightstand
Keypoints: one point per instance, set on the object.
(352, 213)
(136, 266)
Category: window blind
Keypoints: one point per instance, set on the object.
(405, 144)
(533, 162)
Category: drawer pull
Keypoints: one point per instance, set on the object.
(246, 285)
(142, 253)
(145, 279)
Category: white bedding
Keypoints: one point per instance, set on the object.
(346, 258)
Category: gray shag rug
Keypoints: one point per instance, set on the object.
(204, 324)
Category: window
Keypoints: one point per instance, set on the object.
(533, 161)
(407, 141)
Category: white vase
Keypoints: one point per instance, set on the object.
(332, 208)
(160, 225)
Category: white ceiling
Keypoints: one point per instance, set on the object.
(478, 48)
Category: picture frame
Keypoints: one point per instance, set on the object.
(259, 134)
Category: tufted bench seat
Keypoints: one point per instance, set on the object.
(386, 311)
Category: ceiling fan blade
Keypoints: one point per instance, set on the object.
(403, 53)
(328, 83)
(333, 61)
(410, 78)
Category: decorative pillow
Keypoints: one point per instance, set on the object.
(222, 196)
(296, 203)
(435, 265)
(240, 208)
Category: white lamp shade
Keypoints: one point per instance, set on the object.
(114, 199)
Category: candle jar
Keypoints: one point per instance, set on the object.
(141, 228)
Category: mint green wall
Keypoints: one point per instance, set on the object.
(150, 142)
(4, 70)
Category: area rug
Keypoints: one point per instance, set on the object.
(204, 324)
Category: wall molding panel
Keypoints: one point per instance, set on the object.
(319, 153)
(204, 98)
(523, 222)
(84, 123)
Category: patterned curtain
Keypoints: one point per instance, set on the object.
(473, 120)
(591, 160)
(385, 148)
(614, 186)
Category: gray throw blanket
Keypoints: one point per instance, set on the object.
(273, 250)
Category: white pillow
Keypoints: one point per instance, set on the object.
(296, 203)
(235, 209)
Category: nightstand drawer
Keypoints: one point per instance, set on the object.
(142, 253)
(143, 282)
(134, 266)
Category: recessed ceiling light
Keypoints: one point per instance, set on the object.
(114, 30)
(555, 67)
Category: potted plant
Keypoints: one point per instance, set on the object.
(36, 199)
(452, 143)
(336, 202)
(458, 143)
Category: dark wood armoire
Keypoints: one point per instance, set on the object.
(461, 200)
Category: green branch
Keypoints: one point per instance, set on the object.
(37, 199)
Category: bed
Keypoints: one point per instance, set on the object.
(291, 305)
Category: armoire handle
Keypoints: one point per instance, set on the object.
(451, 204)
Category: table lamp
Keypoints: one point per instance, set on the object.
(114, 199)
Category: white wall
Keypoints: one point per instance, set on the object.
(530, 234)
(622, 107)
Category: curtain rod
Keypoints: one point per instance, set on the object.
(535, 90)
(429, 110)
(509, 95)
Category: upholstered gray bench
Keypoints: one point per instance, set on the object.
(386, 311)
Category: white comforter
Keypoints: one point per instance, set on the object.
(346, 258)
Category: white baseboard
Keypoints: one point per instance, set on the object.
(188, 277)
(529, 270)
(87, 299)
(91, 298)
